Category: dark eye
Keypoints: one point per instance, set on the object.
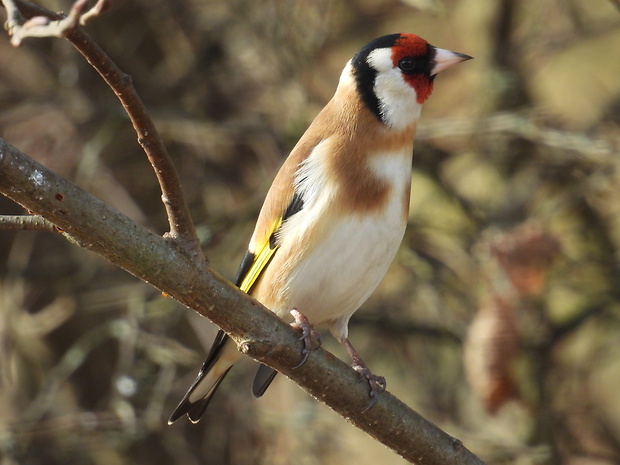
(407, 64)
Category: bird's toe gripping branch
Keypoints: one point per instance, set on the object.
(377, 383)
(310, 336)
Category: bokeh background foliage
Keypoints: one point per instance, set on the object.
(499, 319)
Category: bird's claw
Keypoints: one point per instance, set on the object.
(377, 383)
(311, 337)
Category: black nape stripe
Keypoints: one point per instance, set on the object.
(365, 75)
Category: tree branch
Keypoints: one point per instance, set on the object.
(26, 222)
(100, 7)
(40, 26)
(181, 225)
(92, 224)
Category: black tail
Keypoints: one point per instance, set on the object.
(262, 379)
(194, 409)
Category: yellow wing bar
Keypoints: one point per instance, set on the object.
(261, 259)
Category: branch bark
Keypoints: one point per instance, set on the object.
(92, 224)
(26, 222)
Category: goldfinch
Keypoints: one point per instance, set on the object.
(336, 212)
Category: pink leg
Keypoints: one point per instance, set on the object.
(377, 383)
(311, 337)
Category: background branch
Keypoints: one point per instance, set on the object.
(180, 222)
(94, 225)
(100, 7)
(41, 26)
(26, 222)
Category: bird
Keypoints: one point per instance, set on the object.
(336, 212)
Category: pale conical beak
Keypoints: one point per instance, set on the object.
(445, 58)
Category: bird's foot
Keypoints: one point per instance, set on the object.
(311, 337)
(377, 383)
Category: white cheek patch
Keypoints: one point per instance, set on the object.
(381, 60)
(397, 99)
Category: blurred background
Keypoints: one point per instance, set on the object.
(499, 320)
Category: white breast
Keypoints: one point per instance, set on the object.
(340, 272)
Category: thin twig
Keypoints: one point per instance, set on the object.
(181, 225)
(26, 222)
(13, 17)
(100, 7)
(41, 26)
(44, 26)
(525, 125)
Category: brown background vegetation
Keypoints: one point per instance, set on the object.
(499, 319)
